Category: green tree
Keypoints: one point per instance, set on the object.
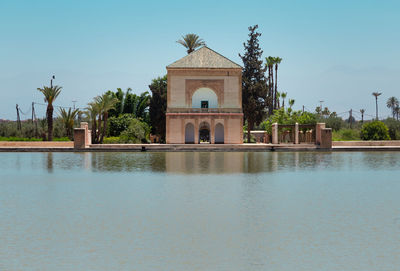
(116, 125)
(191, 42)
(269, 63)
(254, 90)
(277, 61)
(376, 95)
(50, 95)
(326, 112)
(362, 111)
(392, 103)
(283, 96)
(92, 111)
(119, 106)
(375, 130)
(291, 103)
(137, 132)
(106, 102)
(158, 106)
(68, 119)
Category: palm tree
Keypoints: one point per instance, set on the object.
(362, 111)
(277, 61)
(376, 94)
(392, 103)
(270, 61)
(68, 119)
(283, 95)
(291, 103)
(106, 102)
(191, 42)
(141, 104)
(397, 110)
(50, 95)
(91, 112)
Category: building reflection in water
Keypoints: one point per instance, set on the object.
(204, 162)
(215, 162)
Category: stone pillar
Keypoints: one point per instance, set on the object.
(275, 133)
(326, 138)
(196, 131)
(296, 133)
(79, 138)
(318, 129)
(82, 136)
(212, 131)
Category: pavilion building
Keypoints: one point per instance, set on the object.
(204, 100)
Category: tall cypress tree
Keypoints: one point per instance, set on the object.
(158, 106)
(254, 87)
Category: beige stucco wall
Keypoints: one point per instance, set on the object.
(233, 131)
(177, 99)
(233, 127)
(174, 131)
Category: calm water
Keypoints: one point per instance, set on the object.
(200, 211)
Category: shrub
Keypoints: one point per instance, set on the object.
(137, 132)
(375, 130)
(346, 135)
(116, 125)
(333, 122)
(394, 128)
(111, 140)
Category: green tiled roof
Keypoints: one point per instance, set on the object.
(204, 58)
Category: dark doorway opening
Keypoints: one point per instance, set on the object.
(204, 133)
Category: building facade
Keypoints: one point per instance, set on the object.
(204, 100)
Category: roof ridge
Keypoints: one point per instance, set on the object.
(219, 55)
(196, 59)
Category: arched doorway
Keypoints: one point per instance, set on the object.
(189, 133)
(219, 133)
(204, 133)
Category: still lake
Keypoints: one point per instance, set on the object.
(200, 211)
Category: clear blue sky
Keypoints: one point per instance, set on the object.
(336, 51)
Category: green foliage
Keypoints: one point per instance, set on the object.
(137, 132)
(13, 138)
(333, 122)
(394, 128)
(28, 129)
(375, 130)
(119, 124)
(50, 94)
(254, 87)
(191, 42)
(158, 106)
(65, 138)
(288, 116)
(68, 119)
(112, 140)
(130, 103)
(346, 135)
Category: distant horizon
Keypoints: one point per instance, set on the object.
(335, 52)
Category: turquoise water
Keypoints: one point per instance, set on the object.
(200, 211)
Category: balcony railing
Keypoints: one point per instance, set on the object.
(204, 110)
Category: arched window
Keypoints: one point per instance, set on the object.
(204, 98)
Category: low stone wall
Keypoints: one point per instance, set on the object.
(36, 144)
(394, 143)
